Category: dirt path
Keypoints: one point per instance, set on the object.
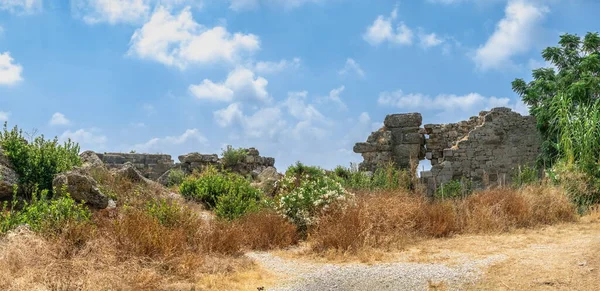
(563, 257)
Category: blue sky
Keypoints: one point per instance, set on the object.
(297, 79)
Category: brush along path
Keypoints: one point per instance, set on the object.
(561, 257)
(384, 276)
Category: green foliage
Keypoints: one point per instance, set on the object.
(167, 212)
(230, 195)
(388, 177)
(43, 214)
(232, 157)
(175, 177)
(583, 189)
(459, 188)
(561, 100)
(566, 105)
(524, 176)
(38, 161)
(305, 192)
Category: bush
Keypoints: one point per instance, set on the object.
(525, 176)
(42, 214)
(454, 189)
(230, 195)
(39, 161)
(303, 198)
(168, 212)
(175, 177)
(232, 157)
(387, 177)
(582, 188)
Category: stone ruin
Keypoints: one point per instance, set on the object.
(486, 149)
(157, 166)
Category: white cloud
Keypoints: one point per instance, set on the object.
(352, 66)
(297, 107)
(229, 115)
(10, 72)
(159, 144)
(87, 138)
(446, 103)
(111, 11)
(429, 40)
(276, 67)
(4, 115)
(266, 122)
(59, 119)
(241, 84)
(241, 5)
(334, 97)
(21, 6)
(514, 34)
(177, 40)
(382, 30)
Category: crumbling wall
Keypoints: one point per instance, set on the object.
(151, 166)
(400, 140)
(486, 149)
(253, 163)
(490, 153)
(155, 166)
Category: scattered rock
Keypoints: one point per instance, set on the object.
(267, 181)
(128, 171)
(81, 188)
(91, 160)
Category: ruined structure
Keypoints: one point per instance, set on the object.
(485, 149)
(155, 166)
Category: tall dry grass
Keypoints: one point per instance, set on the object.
(392, 219)
(173, 246)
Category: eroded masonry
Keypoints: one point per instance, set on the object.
(486, 149)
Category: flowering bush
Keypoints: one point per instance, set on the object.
(303, 198)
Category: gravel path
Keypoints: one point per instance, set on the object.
(385, 276)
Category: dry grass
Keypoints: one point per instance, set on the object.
(393, 219)
(132, 248)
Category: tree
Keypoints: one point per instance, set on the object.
(566, 102)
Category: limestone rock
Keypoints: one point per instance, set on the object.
(81, 188)
(403, 120)
(91, 160)
(253, 152)
(198, 158)
(267, 181)
(128, 171)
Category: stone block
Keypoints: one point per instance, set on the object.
(403, 120)
(363, 147)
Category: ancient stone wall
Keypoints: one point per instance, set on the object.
(151, 166)
(155, 166)
(486, 149)
(400, 140)
(490, 153)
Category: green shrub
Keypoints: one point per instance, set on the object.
(525, 176)
(43, 214)
(230, 195)
(232, 157)
(454, 189)
(583, 189)
(388, 177)
(168, 212)
(175, 177)
(38, 161)
(303, 200)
